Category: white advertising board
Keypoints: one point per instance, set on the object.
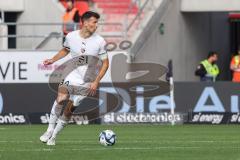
(27, 67)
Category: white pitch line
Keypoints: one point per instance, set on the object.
(133, 148)
(99, 149)
(16, 141)
(151, 141)
(133, 141)
(112, 148)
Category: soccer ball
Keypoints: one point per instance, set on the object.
(107, 138)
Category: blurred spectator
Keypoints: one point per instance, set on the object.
(208, 70)
(235, 67)
(83, 6)
(71, 18)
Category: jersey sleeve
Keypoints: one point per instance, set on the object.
(66, 42)
(200, 71)
(103, 52)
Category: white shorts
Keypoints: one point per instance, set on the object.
(77, 92)
(76, 99)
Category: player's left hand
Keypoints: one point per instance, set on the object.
(93, 88)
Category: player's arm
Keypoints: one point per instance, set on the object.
(62, 53)
(103, 69)
(105, 63)
(200, 71)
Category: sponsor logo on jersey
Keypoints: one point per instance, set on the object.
(83, 50)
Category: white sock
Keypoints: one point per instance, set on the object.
(55, 113)
(60, 125)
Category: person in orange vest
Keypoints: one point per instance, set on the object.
(235, 67)
(83, 6)
(71, 18)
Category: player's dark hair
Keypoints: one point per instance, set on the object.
(212, 53)
(87, 15)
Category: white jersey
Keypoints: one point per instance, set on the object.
(78, 46)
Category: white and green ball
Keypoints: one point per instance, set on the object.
(107, 138)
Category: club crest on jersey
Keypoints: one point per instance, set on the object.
(83, 50)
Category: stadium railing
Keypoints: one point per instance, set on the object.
(37, 35)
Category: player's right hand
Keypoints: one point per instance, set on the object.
(48, 61)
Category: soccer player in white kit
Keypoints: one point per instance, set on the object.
(78, 43)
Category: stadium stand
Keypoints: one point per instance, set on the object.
(120, 20)
(119, 7)
(113, 12)
(117, 11)
(82, 6)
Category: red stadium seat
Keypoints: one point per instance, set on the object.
(112, 1)
(113, 11)
(116, 6)
(80, 5)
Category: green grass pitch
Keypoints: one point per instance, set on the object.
(134, 142)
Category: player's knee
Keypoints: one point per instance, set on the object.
(61, 98)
